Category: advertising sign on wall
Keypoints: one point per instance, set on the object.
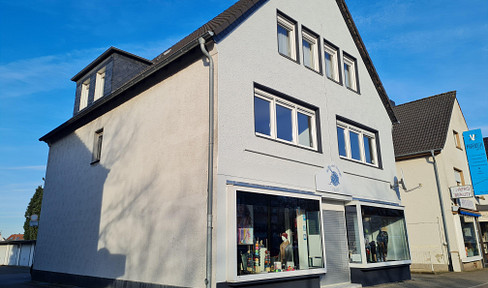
(478, 164)
(461, 192)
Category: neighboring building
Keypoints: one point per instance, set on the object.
(429, 136)
(304, 161)
(17, 252)
(15, 237)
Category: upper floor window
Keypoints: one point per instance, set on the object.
(457, 140)
(97, 146)
(310, 50)
(287, 37)
(331, 65)
(99, 84)
(283, 120)
(85, 89)
(459, 177)
(356, 144)
(350, 77)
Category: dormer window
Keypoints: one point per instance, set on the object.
(99, 84)
(85, 88)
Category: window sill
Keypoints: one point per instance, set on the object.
(95, 162)
(353, 90)
(290, 58)
(335, 81)
(315, 70)
(460, 148)
(279, 275)
(380, 264)
(471, 259)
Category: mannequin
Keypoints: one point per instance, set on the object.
(283, 246)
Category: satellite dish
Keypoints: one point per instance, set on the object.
(403, 182)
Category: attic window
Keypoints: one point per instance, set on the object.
(85, 89)
(350, 73)
(310, 50)
(457, 141)
(287, 37)
(99, 84)
(97, 146)
(331, 65)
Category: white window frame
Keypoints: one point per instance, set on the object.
(85, 90)
(292, 36)
(314, 50)
(364, 263)
(232, 236)
(274, 100)
(348, 128)
(351, 62)
(99, 84)
(334, 53)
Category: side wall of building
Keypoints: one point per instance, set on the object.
(138, 214)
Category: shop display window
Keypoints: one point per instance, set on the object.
(277, 233)
(385, 237)
(469, 235)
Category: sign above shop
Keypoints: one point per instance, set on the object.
(330, 179)
(466, 204)
(478, 164)
(461, 192)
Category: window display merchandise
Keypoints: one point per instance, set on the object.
(384, 234)
(469, 235)
(277, 233)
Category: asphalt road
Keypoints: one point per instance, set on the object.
(19, 277)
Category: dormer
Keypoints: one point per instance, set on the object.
(104, 75)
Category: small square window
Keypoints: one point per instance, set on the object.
(287, 37)
(85, 89)
(331, 64)
(97, 146)
(350, 77)
(99, 84)
(310, 50)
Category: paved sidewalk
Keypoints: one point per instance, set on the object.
(474, 279)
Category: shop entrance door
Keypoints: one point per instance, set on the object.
(484, 241)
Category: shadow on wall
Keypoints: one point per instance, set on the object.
(138, 213)
(67, 243)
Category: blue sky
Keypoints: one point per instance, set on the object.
(419, 48)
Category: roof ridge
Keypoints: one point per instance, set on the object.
(449, 93)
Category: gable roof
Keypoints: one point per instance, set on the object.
(225, 21)
(423, 125)
(15, 237)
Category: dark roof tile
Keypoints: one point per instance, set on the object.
(423, 124)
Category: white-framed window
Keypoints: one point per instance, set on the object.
(85, 89)
(310, 50)
(97, 146)
(283, 120)
(376, 235)
(356, 144)
(99, 84)
(350, 77)
(277, 235)
(331, 62)
(287, 37)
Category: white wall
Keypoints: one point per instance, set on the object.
(17, 254)
(250, 54)
(140, 213)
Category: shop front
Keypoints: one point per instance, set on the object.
(378, 244)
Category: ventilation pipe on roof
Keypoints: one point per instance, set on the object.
(444, 221)
(208, 279)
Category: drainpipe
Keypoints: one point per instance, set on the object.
(444, 221)
(208, 279)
